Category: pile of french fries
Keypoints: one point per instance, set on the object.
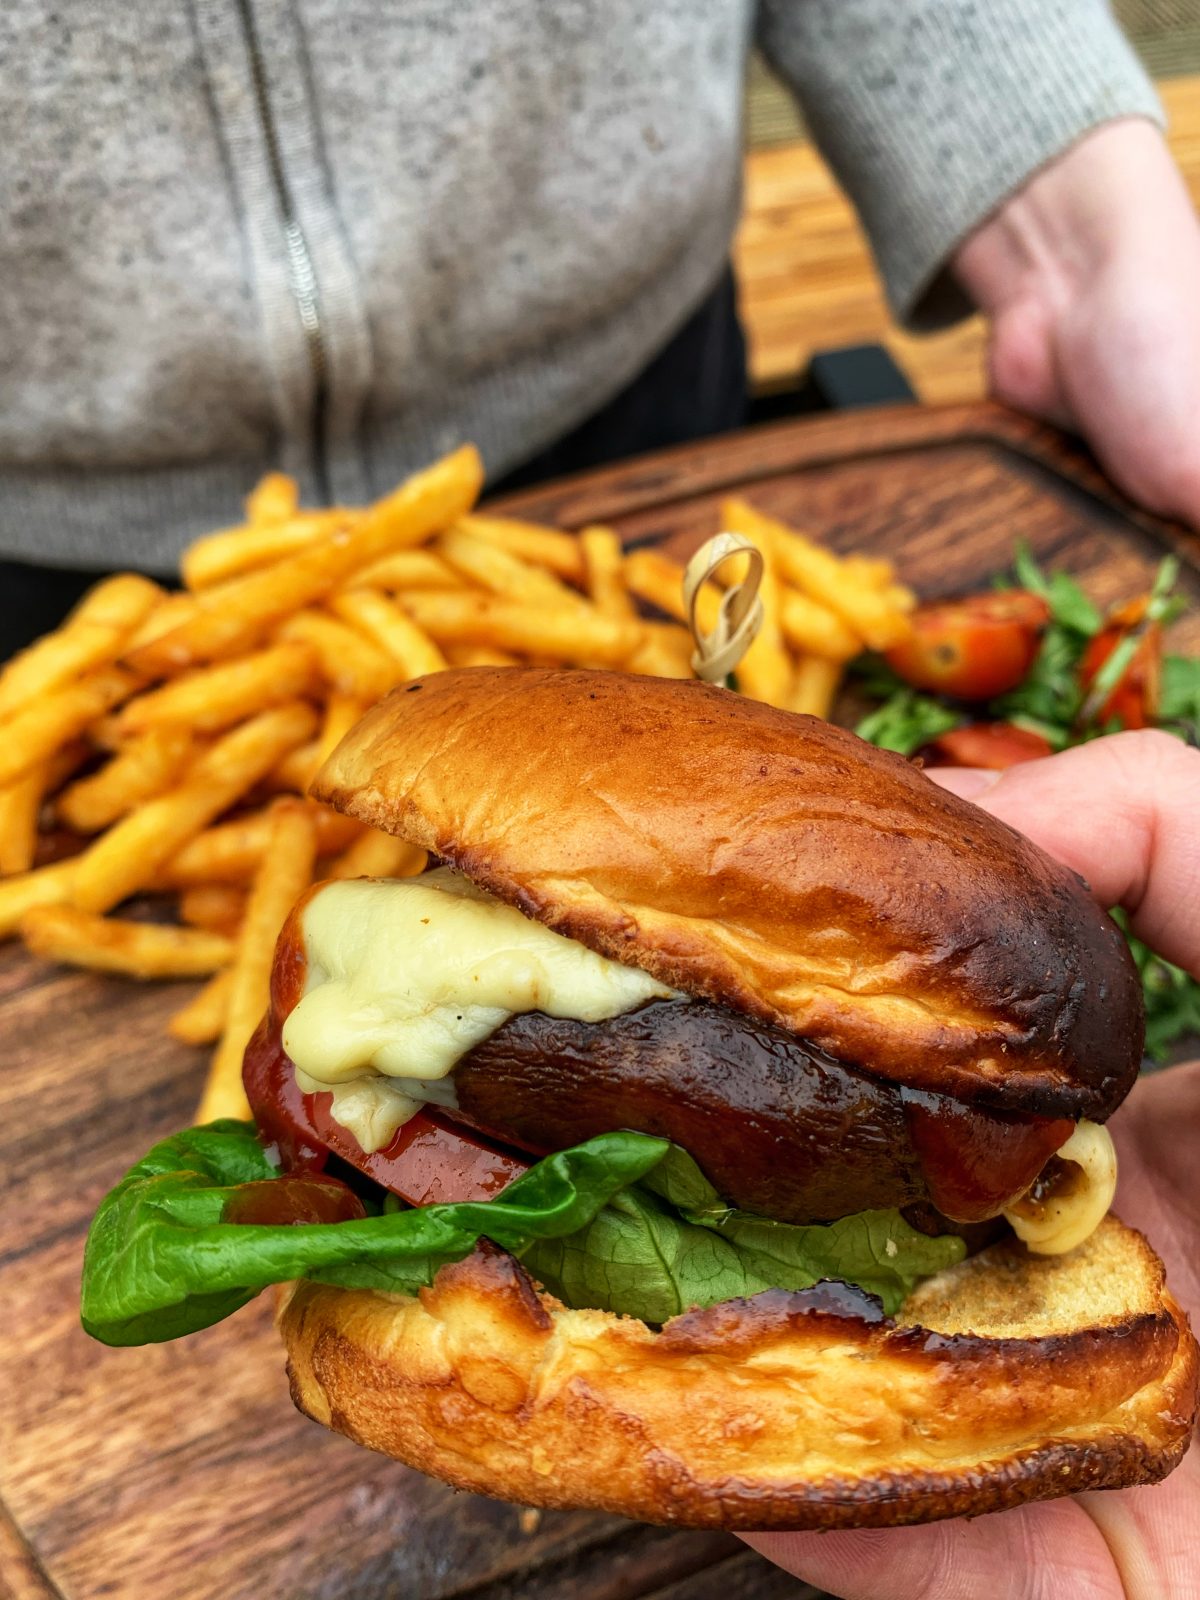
(161, 744)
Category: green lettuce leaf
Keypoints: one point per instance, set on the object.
(622, 1223)
(159, 1262)
(670, 1243)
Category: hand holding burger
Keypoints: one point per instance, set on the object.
(715, 1137)
(1122, 812)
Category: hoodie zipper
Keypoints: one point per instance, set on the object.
(302, 273)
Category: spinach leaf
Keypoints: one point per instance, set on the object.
(159, 1261)
(623, 1222)
(671, 1243)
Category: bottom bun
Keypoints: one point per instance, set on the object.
(1009, 1378)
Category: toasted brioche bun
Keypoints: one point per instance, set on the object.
(1009, 1378)
(777, 865)
(766, 861)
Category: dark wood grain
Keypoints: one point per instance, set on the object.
(181, 1471)
(21, 1574)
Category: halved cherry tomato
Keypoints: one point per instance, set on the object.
(993, 745)
(1134, 700)
(973, 648)
(432, 1158)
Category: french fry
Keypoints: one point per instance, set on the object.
(547, 547)
(232, 851)
(349, 663)
(806, 624)
(897, 595)
(810, 626)
(658, 580)
(44, 886)
(109, 944)
(378, 855)
(576, 635)
(815, 686)
(20, 803)
(273, 498)
(285, 873)
(92, 636)
(213, 698)
(296, 771)
(765, 671)
(407, 569)
(868, 570)
(666, 652)
(233, 551)
(479, 655)
(128, 856)
(342, 711)
(202, 1020)
(36, 732)
(502, 572)
(141, 768)
(171, 612)
(219, 907)
(392, 629)
(604, 562)
(233, 614)
(821, 576)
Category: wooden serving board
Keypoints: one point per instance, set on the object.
(181, 1472)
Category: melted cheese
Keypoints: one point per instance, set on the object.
(405, 976)
(1057, 1224)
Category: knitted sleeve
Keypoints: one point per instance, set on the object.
(932, 112)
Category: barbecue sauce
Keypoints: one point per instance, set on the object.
(976, 1161)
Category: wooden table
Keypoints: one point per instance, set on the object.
(180, 1472)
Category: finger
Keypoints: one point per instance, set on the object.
(1052, 1549)
(1122, 812)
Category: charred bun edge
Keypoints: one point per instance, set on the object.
(784, 1411)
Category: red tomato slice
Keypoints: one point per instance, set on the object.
(973, 648)
(311, 1197)
(1134, 701)
(431, 1159)
(994, 745)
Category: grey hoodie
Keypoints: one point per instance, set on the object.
(341, 236)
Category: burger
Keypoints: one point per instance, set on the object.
(715, 1135)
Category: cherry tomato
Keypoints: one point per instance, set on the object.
(432, 1158)
(973, 648)
(1134, 701)
(994, 745)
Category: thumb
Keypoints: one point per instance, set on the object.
(1122, 812)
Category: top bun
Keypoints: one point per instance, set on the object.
(767, 861)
